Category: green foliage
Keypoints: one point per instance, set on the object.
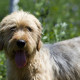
(55, 12)
(2, 67)
(4, 8)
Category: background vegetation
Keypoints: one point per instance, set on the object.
(60, 20)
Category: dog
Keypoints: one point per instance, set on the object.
(29, 59)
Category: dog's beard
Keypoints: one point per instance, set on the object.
(20, 56)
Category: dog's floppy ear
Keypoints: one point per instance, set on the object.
(39, 44)
(1, 39)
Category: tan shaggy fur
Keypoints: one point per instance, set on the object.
(20, 35)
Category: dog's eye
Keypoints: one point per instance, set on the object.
(13, 28)
(29, 29)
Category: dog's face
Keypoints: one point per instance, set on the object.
(20, 35)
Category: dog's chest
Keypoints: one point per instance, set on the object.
(35, 70)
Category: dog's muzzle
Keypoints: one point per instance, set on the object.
(20, 55)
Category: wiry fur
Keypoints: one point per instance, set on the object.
(59, 61)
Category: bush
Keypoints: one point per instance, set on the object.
(4, 8)
(55, 12)
(2, 67)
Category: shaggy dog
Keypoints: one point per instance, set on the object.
(28, 59)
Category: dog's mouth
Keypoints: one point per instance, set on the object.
(20, 58)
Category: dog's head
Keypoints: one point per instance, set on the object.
(20, 34)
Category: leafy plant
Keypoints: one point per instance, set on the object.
(2, 66)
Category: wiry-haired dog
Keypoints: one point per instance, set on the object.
(28, 59)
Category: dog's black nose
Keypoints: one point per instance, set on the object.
(21, 43)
